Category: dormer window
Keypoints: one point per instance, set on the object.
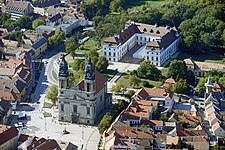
(145, 30)
(157, 32)
(151, 31)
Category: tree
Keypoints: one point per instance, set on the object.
(24, 22)
(56, 39)
(78, 64)
(145, 84)
(116, 88)
(177, 70)
(71, 46)
(163, 118)
(190, 77)
(201, 87)
(37, 23)
(94, 55)
(102, 64)
(129, 94)
(52, 94)
(149, 71)
(105, 122)
(180, 144)
(182, 87)
(134, 81)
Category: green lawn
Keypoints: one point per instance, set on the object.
(84, 48)
(124, 80)
(46, 114)
(211, 57)
(165, 71)
(47, 105)
(152, 3)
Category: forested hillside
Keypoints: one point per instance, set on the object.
(201, 21)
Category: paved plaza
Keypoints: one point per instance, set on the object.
(85, 137)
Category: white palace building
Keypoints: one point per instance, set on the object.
(157, 43)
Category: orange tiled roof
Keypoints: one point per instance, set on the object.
(100, 81)
(5, 95)
(156, 92)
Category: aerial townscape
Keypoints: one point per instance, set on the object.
(112, 74)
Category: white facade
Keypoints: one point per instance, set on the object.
(83, 102)
(114, 50)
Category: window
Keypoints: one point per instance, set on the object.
(62, 118)
(61, 84)
(114, 54)
(105, 53)
(109, 53)
(62, 107)
(88, 110)
(101, 98)
(75, 108)
(157, 59)
(152, 58)
(88, 87)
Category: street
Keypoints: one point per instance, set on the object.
(49, 127)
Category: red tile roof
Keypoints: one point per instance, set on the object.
(8, 134)
(5, 95)
(100, 81)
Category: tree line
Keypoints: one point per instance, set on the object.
(201, 21)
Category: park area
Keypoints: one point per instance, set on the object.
(208, 57)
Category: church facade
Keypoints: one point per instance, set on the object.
(82, 102)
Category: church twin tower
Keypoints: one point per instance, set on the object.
(84, 101)
(89, 81)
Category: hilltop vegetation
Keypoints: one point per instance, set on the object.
(201, 21)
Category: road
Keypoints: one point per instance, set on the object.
(49, 127)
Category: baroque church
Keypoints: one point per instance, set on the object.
(84, 101)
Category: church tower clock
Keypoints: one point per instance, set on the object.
(89, 79)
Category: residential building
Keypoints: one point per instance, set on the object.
(156, 125)
(214, 93)
(54, 20)
(5, 111)
(170, 82)
(18, 8)
(199, 143)
(218, 129)
(69, 25)
(46, 3)
(9, 96)
(8, 137)
(157, 43)
(82, 102)
(199, 68)
(43, 28)
(137, 111)
(39, 47)
(119, 137)
(15, 85)
(164, 97)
